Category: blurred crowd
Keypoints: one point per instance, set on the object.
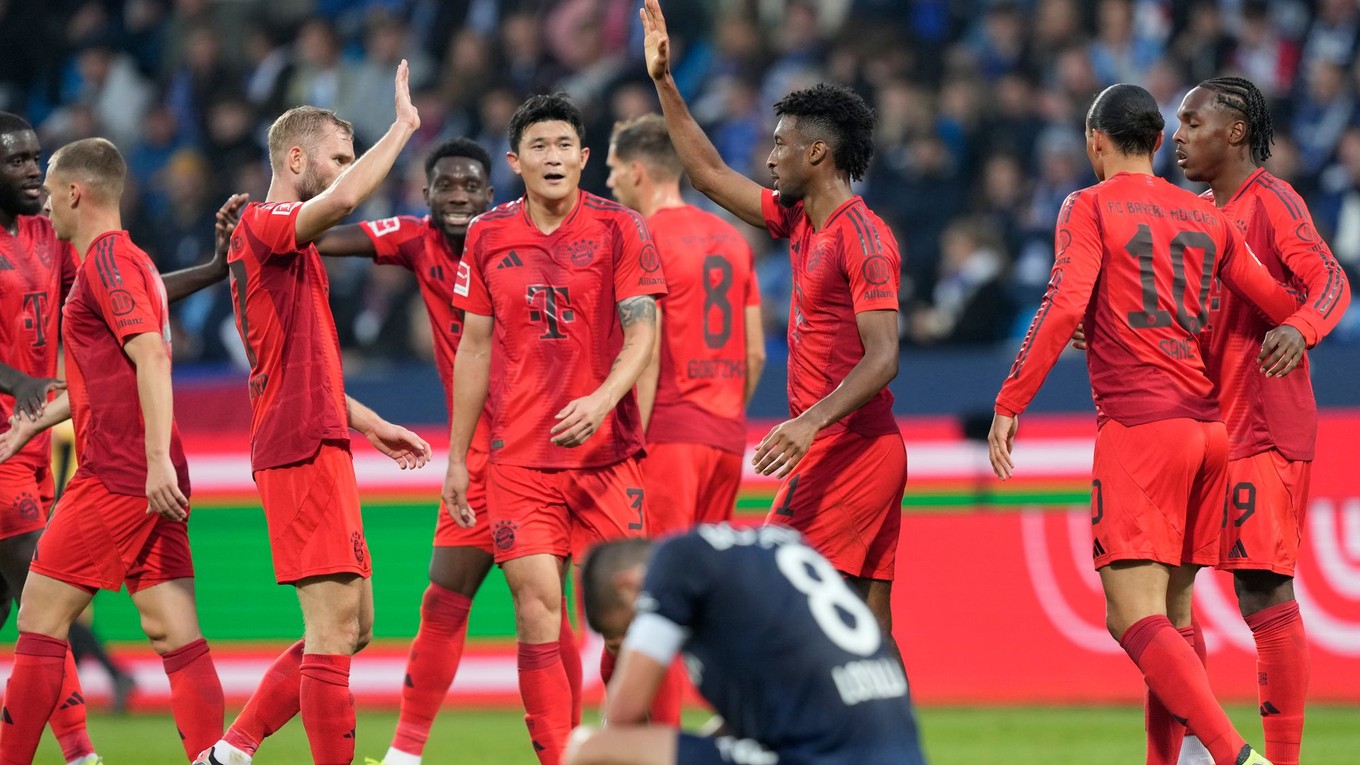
(980, 106)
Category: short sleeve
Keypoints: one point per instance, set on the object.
(123, 291)
(678, 579)
(637, 264)
(872, 263)
(273, 226)
(470, 292)
(752, 283)
(778, 218)
(396, 241)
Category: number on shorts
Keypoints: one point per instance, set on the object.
(1242, 498)
(1097, 502)
(830, 600)
(786, 507)
(636, 496)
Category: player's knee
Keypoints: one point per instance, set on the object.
(1259, 590)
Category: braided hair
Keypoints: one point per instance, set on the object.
(1243, 97)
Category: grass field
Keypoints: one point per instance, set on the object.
(953, 736)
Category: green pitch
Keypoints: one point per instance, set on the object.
(953, 736)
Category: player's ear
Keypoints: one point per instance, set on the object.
(1156, 147)
(512, 159)
(296, 157)
(1237, 132)
(585, 155)
(425, 194)
(817, 151)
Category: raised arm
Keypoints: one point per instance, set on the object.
(348, 241)
(148, 354)
(186, 281)
(704, 166)
(359, 180)
(471, 381)
(579, 420)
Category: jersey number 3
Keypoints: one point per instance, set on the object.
(845, 619)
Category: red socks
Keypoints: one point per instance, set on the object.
(1282, 671)
(544, 686)
(1173, 672)
(571, 661)
(195, 695)
(33, 691)
(327, 708)
(273, 704)
(431, 665)
(1164, 732)
(68, 719)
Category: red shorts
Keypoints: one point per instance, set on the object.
(845, 497)
(25, 498)
(689, 484)
(1267, 499)
(561, 512)
(1157, 492)
(312, 509)
(100, 541)
(447, 532)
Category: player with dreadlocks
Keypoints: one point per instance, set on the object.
(1223, 140)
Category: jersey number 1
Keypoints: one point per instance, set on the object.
(1191, 318)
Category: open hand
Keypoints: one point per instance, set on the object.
(21, 431)
(406, 111)
(228, 215)
(657, 43)
(409, 450)
(1000, 442)
(784, 447)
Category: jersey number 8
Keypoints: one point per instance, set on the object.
(830, 600)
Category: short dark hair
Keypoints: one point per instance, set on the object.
(13, 123)
(1129, 115)
(545, 108)
(646, 139)
(457, 147)
(838, 115)
(1243, 97)
(97, 162)
(598, 595)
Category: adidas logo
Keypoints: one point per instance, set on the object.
(1238, 551)
(74, 700)
(1097, 549)
(5, 265)
(350, 734)
(510, 261)
(1268, 709)
(4, 716)
(409, 683)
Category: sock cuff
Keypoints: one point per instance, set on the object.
(1138, 637)
(327, 668)
(533, 656)
(34, 644)
(185, 655)
(1274, 617)
(443, 608)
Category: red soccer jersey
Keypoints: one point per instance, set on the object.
(36, 271)
(1136, 257)
(420, 247)
(851, 266)
(1265, 413)
(554, 298)
(711, 278)
(117, 294)
(280, 291)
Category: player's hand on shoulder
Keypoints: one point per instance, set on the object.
(1281, 351)
(455, 492)
(579, 420)
(784, 447)
(406, 111)
(162, 490)
(1000, 442)
(656, 43)
(30, 395)
(407, 449)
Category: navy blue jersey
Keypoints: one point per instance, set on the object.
(778, 643)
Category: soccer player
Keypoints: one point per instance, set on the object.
(841, 456)
(36, 273)
(784, 650)
(566, 284)
(1135, 260)
(693, 397)
(1223, 140)
(300, 420)
(122, 519)
(457, 188)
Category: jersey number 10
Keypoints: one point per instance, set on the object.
(1192, 317)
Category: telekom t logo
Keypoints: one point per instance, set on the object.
(548, 304)
(35, 305)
